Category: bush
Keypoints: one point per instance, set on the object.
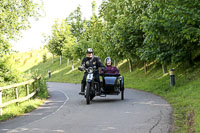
(44, 58)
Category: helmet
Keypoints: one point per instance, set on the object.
(89, 50)
(108, 59)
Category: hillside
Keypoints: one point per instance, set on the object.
(184, 97)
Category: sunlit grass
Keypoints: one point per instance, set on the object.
(71, 71)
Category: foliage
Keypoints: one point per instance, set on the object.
(171, 30)
(76, 22)
(14, 17)
(8, 73)
(44, 57)
(16, 60)
(61, 41)
(123, 27)
(150, 31)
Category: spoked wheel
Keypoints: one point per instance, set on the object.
(122, 87)
(88, 93)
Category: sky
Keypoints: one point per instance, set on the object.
(54, 9)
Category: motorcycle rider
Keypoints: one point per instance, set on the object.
(90, 61)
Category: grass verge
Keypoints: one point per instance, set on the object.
(15, 110)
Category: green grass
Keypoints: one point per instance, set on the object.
(13, 110)
(184, 96)
(59, 73)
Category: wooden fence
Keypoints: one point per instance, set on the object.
(17, 99)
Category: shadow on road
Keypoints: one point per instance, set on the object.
(106, 100)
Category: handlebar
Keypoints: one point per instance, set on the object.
(87, 69)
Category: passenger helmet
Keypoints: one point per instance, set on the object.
(108, 59)
(89, 50)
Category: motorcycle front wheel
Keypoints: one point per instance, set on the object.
(88, 93)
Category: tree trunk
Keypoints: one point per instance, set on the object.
(114, 62)
(145, 67)
(52, 58)
(164, 68)
(72, 65)
(60, 59)
(67, 62)
(130, 65)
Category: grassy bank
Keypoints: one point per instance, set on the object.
(22, 62)
(14, 110)
(184, 96)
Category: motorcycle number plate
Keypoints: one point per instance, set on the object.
(90, 76)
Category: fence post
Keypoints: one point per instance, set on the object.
(27, 89)
(15, 88)
(33, 86)
(16, 95)
(39, 83)
(172, 77)
(1, 110)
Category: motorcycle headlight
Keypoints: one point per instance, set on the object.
(90, 70)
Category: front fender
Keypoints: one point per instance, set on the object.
(89, 81)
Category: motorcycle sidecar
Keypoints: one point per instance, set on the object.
(113, 84)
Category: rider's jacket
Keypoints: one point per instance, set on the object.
(91, 62)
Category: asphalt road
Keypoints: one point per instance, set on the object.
(66, 112)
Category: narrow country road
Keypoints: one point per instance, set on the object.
(66, 112)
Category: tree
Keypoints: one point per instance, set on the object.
(14, 17)
(61, 41)
(123, 26)
(171, 30)
(76, 22)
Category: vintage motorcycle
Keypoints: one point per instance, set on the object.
(111, 84)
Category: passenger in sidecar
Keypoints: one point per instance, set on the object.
(112, 82)
(109, 69)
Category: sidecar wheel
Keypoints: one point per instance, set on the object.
(122, 87)
(122, 83)
(122, 95)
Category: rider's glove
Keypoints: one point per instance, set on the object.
(81, 68)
